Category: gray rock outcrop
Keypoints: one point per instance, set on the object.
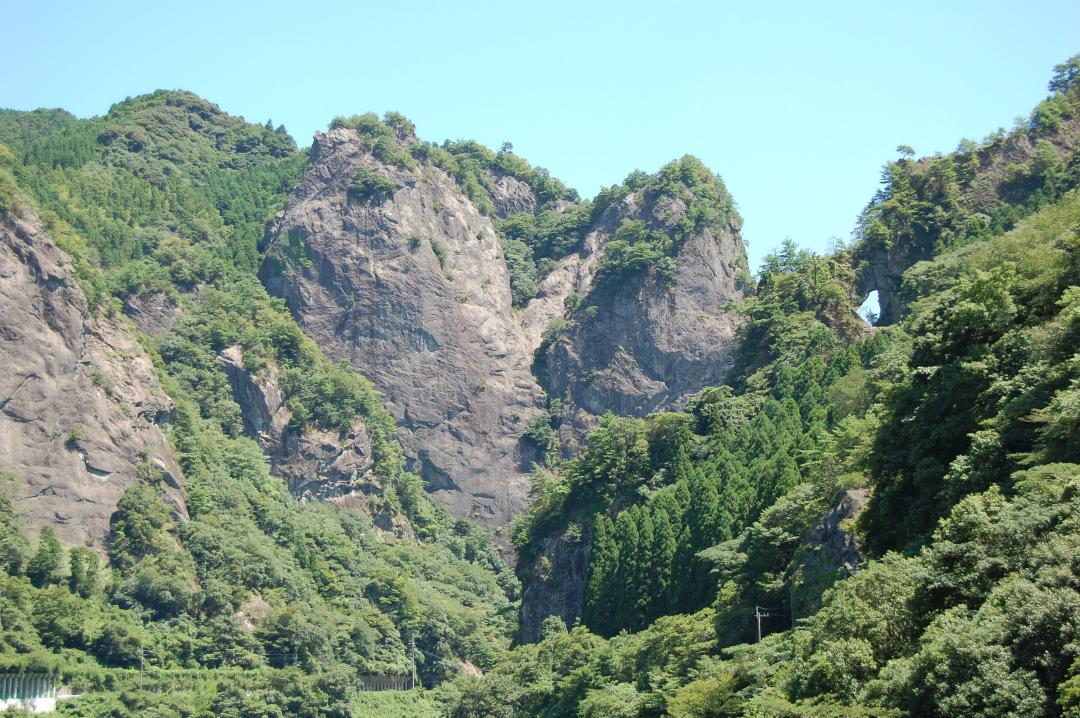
(314, 463)
(80, 401)
(830, 552)
(511, 196)
(154, 314)
(557, 589)
(411, 289)
(649, 343)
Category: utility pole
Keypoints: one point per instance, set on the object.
(412, 656)
(760, 613)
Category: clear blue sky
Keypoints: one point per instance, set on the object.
(795, 104)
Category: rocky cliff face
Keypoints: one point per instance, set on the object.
(314, 463)
(572, 275)
(829, 553)
(409, 286)
(80, 402)
(511, 195)
(153, 314)
(650, 342)
(558, 589)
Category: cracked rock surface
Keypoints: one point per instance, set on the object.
(412, 290)
(80, 401)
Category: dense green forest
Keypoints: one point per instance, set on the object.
(956, 422)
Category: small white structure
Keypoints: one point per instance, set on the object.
(34, 692)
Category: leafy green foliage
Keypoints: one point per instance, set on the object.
(14, 547)
(990, 378)
(522, 269)
(802, 303)
(369, 186)
(439, 250)
(697, 201)
(159, 166)
(43, 568)
(542, 433)
(575, 673)
(383, 138)
(634, 249)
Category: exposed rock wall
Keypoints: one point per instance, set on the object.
(572, 275)
(314, 463)
(153, 314)
(80, 401)
(830, 552)
(649, 343)
(511, 196)
(559, 587)
(412, 290)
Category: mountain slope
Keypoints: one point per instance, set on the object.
(979, 617)
(797, 514)
(960, 422)
(241, 598)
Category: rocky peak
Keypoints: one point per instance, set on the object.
(652, 321)
(386, 264)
